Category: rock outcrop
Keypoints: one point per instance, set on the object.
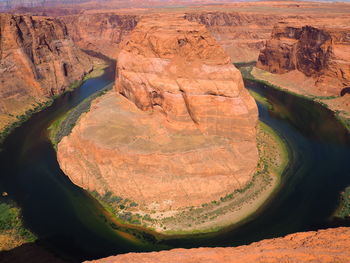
(38, 60)
(324, 246)
(100, 32)
(180, 129)
(242, 35)
(320, 52)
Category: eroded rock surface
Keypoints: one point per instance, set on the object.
(324, 246)
(38, 60)
(100, 32)
(320, 51)
(242, 35)
(179, 130)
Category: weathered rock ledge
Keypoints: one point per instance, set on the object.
(324, 246)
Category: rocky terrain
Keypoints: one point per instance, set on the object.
(320, 52)
(179, 130)
(242, 35)
(324, 246)
(100, 32)
(311, 59)
(240, 28)
(38, 60)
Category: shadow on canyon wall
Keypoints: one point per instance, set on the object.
(345, 91)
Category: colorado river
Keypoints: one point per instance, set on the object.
(70, 223)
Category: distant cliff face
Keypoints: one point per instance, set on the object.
(324, 246)
(241, 35)
(179, 129)
(100, 32)
(38, 60)
(319, 52)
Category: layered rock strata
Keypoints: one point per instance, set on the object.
(179, 130)
(320, 52)
(331, 245)
(38, 60)
(100, 32)
(242, 35)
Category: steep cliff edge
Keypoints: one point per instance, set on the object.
(38, 60)
(312, 61)
(319, 52)
(242, 35)
(100, 32)
(331, 245)
(178, 131)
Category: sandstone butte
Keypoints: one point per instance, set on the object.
(179, 129)
(324, 246)
(38, 59)
(320, 51)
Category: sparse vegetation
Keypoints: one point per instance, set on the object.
(245, 64)
(119, 206)
(261, 99)
(64, 124)
(99, 69)
(340, 115)
(343, 210)
(12, 230)
(23, 118)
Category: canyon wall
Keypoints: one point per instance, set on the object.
(320, 52)
(100, 32)
(38, 60)
(324, 246)
(241, 35)
(178, 131)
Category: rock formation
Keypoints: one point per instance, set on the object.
(38, 60)
(100, 32)
(241, 35)
(178, 131)
(320, 52)
(324, 246)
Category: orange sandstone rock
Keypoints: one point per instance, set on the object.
(180, 130)
(324, 246)
(100, 32)
(320, 50)
(37, 60)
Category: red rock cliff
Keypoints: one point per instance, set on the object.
(101, 32)
(319, 52)
(38, 60)
(241, 35)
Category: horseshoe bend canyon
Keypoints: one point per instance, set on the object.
(217, 130)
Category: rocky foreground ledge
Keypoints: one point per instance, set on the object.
(324, 246)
